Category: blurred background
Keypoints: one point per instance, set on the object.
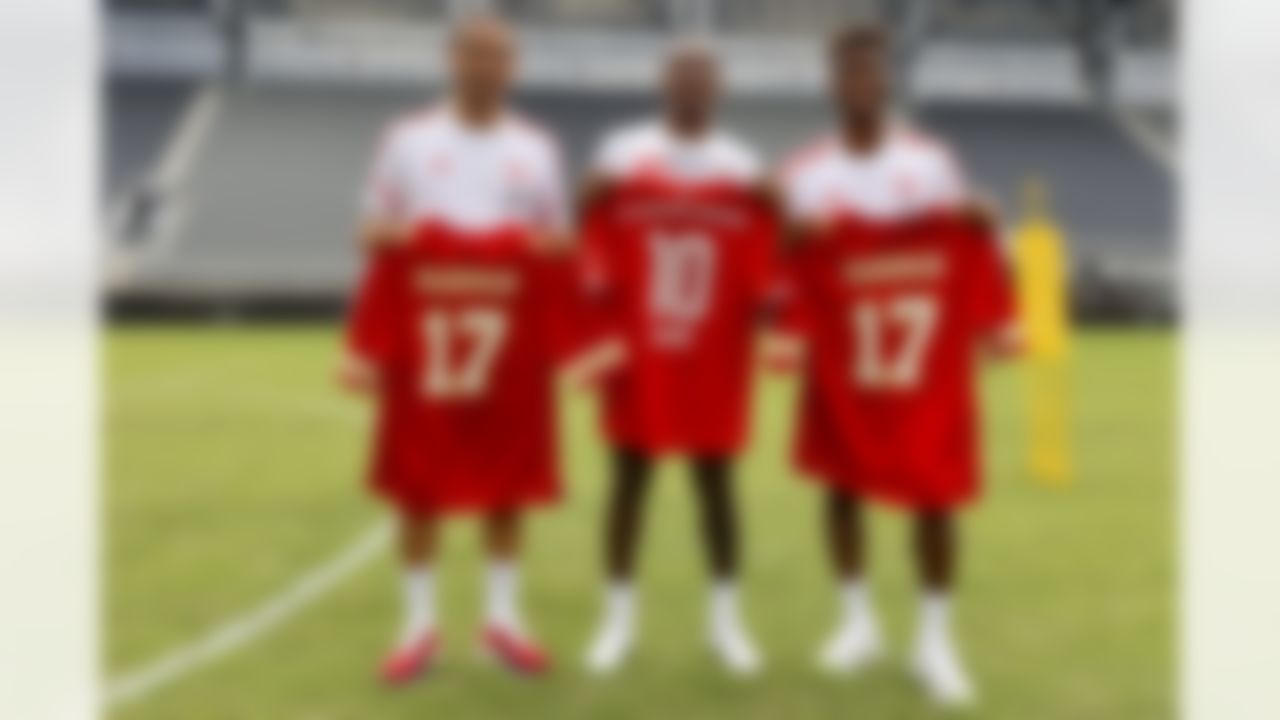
(246, 572)
(239, 130)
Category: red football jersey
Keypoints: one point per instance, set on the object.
(466, 330)
(683, 270)
(892, 315)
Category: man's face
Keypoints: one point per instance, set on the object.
(691, 86)
(860, 79)
(482, 58)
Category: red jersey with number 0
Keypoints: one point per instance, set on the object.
(682, 270)
(892, 314)
(466, 329)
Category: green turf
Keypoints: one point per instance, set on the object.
(233, 464)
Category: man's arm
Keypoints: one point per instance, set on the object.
(383, 204)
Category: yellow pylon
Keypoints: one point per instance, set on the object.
(1042, 267)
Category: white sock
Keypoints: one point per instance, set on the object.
(503, 591)
(935, 617)
(418, 588)
(619, 603)
(855, 599)
(724, 602)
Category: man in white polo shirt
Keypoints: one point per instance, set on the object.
(679, 241)
(880, 172)
(469, 169)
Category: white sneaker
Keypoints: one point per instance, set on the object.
(610, 648)
(855, 644)
(938, 668)
(734, 647)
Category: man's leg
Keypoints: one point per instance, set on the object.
(936, 661)
(857, 637)
(936, 550)
(505, 634)
(624, 521)
(502, 546)
(418, 642)
(417, 541)
(719, 519)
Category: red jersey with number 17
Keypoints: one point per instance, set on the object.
(892, 315)
(683, 269)
(466, 328)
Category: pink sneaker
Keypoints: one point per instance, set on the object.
(517, 653)
(406, 663)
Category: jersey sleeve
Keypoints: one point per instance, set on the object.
(571, 320)
(374, 309)
(596, 266)
(793, 315)
(992, 297)
(764, 272)
(384, 197)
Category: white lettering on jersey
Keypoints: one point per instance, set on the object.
(483, 329)
(682, 276)
(913, 315)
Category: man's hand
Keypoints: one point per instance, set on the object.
(981, 208)
(1006, 343)
(782, 353)
(552, 243)
(593, 190)
(589, 368)
(357, 375)
(798, 233)
(375, 234)
(768, 192)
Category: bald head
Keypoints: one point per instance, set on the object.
(691, 86)
(482, 59)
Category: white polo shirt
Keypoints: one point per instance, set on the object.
(650, 148)
(433, 166)
(909, 173)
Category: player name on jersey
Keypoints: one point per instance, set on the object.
(896, 267)
(467, 280)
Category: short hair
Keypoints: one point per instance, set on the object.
(691, 45)
(859, 37)
(478, 17)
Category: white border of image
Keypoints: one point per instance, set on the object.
(1230, 410)
(1230, 505)
(48, 360)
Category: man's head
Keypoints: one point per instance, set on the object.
(482, 57)
(859, 58)
(691, 85)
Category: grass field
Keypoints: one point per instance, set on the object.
(233, 469)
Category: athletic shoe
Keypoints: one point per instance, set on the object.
(855, 644)
(409, 661)
(517, 653)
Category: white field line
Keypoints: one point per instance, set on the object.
(244, 629)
